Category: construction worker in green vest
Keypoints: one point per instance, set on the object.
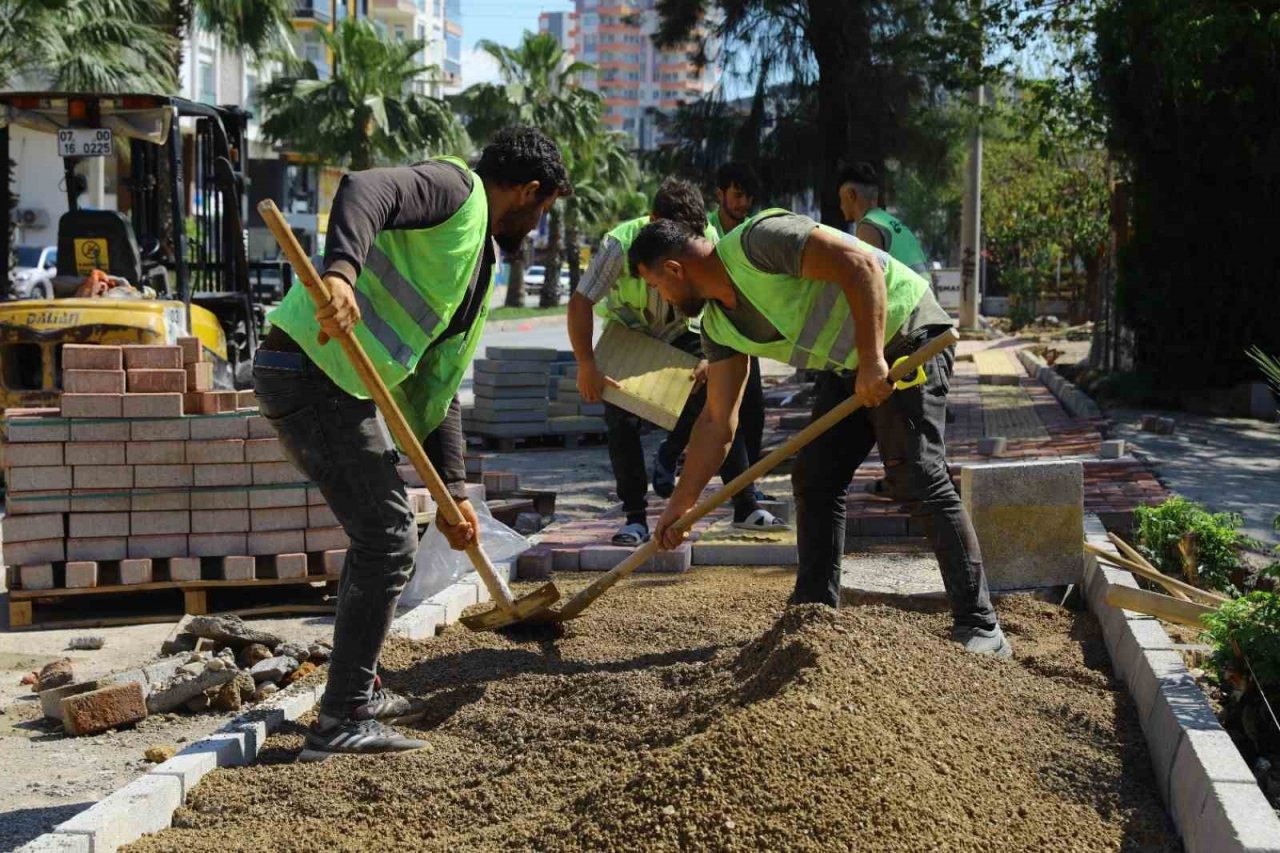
(781, 286)
(618, 297)
(410, 254)
(873, 225)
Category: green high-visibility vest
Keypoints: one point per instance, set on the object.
(713, 220)
(628, 299)
(898, 239)
(412, 282)
(812, 316)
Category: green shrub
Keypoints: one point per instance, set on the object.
(1248, 627)
(1218, 539)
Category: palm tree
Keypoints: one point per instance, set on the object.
(603, 175)
(539, 86)
(365, 112)
(256, 28)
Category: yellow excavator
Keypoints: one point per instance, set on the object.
(176, 246)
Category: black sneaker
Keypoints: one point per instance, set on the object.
(327, 738)
(391, 708)
(982, 641)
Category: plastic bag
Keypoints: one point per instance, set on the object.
(438, 565)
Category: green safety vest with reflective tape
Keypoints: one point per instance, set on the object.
(899, 241)
(713, 220)
(412, 282)
(628, 299)
(812, 316)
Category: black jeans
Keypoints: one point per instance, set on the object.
(336, 440)
(909, 427)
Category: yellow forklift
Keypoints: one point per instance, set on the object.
(179, 244)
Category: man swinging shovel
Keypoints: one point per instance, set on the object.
(409, 270)
(783, 287)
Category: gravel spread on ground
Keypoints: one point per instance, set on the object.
(699, 713)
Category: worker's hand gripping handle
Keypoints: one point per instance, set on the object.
(396, 423)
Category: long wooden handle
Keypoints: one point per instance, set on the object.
(1163, 607)
(1185, 591)
(396, 422)
(755, 472)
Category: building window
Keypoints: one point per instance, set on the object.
(251, 91)
(453, 47)
(399, 32)
(453, 10)
(208, 81)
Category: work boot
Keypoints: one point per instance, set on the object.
(329, 736)
(391, 708)
(982, 641)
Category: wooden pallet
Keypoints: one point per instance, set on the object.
(541, 441)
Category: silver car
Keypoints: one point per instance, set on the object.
(33, 276)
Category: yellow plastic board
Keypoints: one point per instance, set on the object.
(656, 378)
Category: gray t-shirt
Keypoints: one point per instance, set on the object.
(776, 245)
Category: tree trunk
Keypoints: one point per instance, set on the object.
(515, 281)
(832, 30)
(550, 296)
(572, 239)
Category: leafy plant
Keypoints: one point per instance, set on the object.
(1270, 366)
(1161, 530)
(1247, 628)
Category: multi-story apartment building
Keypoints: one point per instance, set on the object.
(439, 23)
(637, 81)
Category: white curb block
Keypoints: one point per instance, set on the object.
(1077, 403)
(1206, 785)
(147, 804)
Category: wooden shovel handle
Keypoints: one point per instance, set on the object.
(405, 438)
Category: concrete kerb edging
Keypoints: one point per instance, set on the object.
(1211, 795)
(147, 804)
(1077, 403)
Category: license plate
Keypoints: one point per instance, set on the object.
(84, 142)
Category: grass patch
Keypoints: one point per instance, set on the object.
(508, 313)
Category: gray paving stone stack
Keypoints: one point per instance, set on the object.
(566, 402)
(510, 386)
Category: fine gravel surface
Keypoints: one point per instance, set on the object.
(697, 713)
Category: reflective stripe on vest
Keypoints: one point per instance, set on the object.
(812, 316)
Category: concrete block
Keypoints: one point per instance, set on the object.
(218, 452)
(1205, 757)
(136, 570)
(23, 430)
(1112, 449)
(176, 429)
(98, 548)
(150, 381)
(500, 482)
(749, 549)
(260, 427)
(484, 389)
(1129, 645)
(157, 523)
(26, 503)
(106, 708)
(322, 516)
(39, 478)
(201, 757)
(1029, 517)
(103, 477)
(512, 380)
(92, 405)
(513, 404)
(199, 377)
(55, 842)
(410, 476)
(160, 547)
(316, 498)
(576, 424)
(160, 502)
(675, 561)
(93, 381)
(284, 565)
(1147, 673)
(36, 576)
(239, 567)
(235, 474)
(99, 500)
(275, 473)
(535, 563)
(209, 402)
(163, 477)
(26, 553)
(215, 544)
(280, 518)
(454, 598)
(153, 405)
(220, 521)
(420, 622)
(82, 573)
(220, 498)
(482, 591)
(29, 528)
(192, 350)
(184, 568)
(1235, 817)
(1179, 705)
(264, 450)
(220, 427)
(333, 561)
(602, 558)
(89, 524)
(275, 542)
(100, 430)
(156, 452)
(91, 357)
(246, 399)
(95, 452)
(566, 559)
(152, 357)
(144, 805)
(34, 454)
(543, 355)
(276, 497)
(991, 445)
(326, 539)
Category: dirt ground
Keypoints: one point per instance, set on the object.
(698, 713)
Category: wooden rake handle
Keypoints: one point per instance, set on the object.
(905, 367)
(396, 422)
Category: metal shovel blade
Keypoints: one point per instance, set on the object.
(529, 607)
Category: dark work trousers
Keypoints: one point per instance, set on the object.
(909, 426)
(336, 440)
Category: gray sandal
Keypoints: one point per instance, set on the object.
(631, 535)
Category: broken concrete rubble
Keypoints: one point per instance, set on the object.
(273, 669)
(230, 630)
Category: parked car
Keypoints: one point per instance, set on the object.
(32, 278)
(536, 276)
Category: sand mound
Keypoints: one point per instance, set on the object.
(698, 715)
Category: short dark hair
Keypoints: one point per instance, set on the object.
(680, 201)
(658, 241)
(859, 173)
(520, 154)
(735, 172)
